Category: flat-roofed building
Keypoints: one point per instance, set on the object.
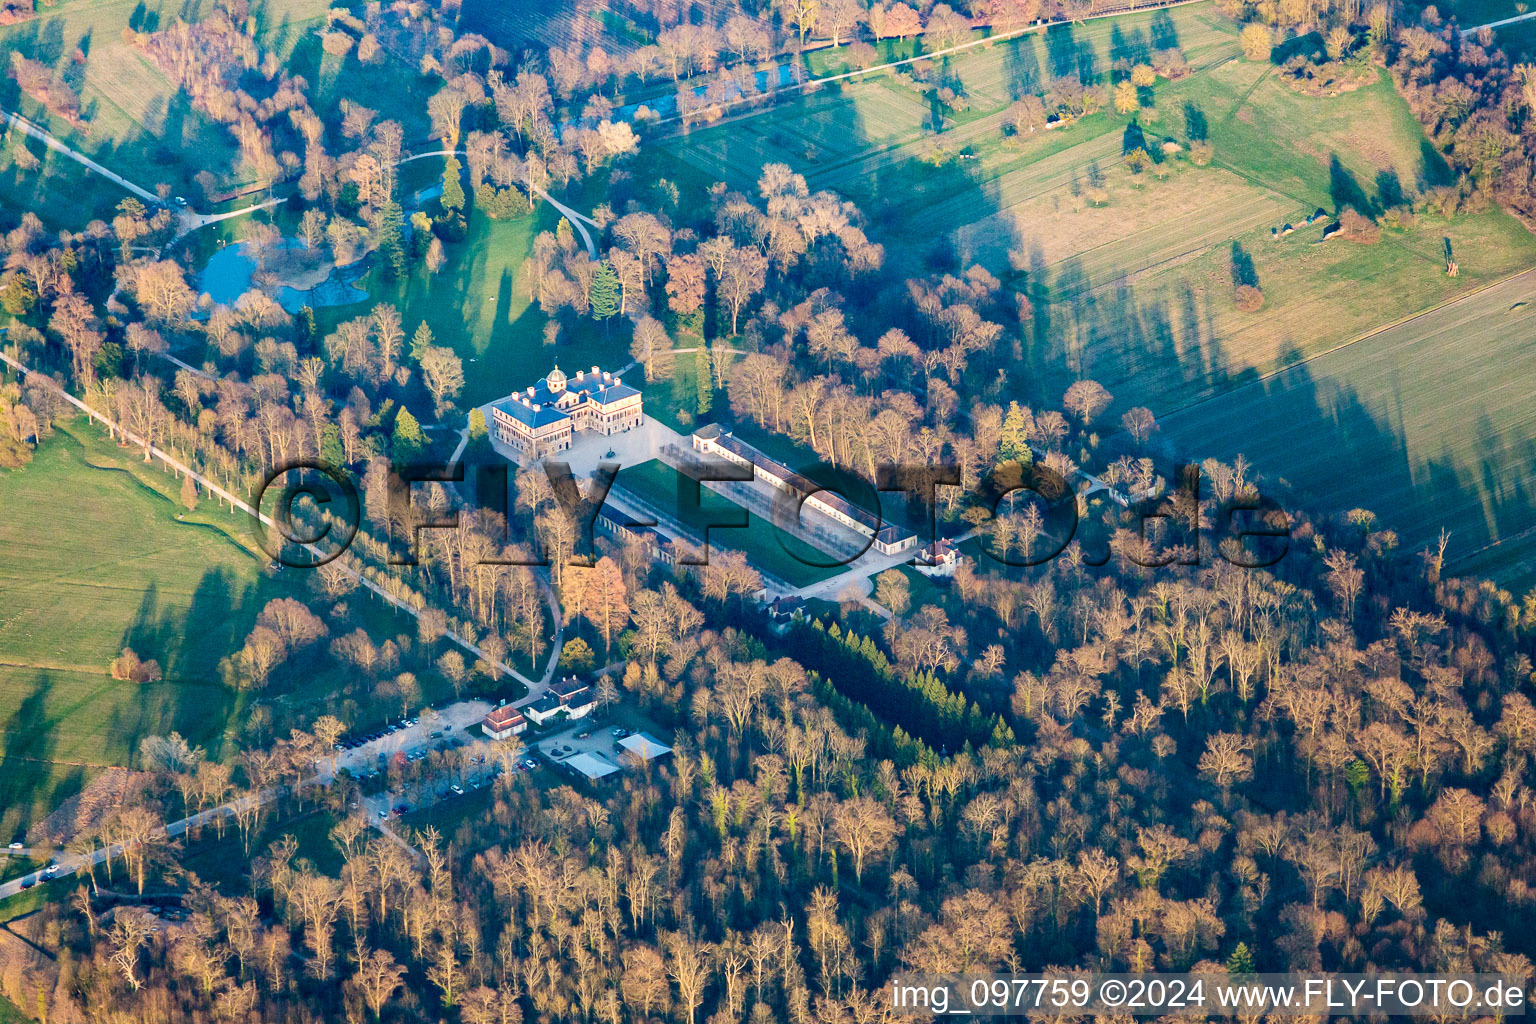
(593, 766)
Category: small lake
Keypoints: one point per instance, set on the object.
(228, 276)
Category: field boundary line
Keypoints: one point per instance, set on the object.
(92, 670)
(810, 84)
(1492, 545)
(535, 690)
(1373, 332)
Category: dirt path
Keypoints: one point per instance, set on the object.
(190, 221)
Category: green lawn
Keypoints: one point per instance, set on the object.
(96, 559)
(766, 546)
(478, 304)
(449, 816)
(16, 866)
(222, 862)
(1427, 424)
(136, 123)
(31, 900)
(1518, 41)
(1470, 13)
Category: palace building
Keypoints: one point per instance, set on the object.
(543, 418)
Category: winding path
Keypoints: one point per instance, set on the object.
(190, 221)
(578, 220)
(37, 132)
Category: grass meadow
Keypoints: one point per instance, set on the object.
(478, 305)
(1132, 276)
(1470, 13)
(96, 560)
(1428, 424)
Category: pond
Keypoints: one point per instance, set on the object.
(228, 276)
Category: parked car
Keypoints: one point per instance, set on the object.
(458, 790)
(27, 883)
(401, 810)
(17, 846)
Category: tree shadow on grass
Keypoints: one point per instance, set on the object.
(28, 782)
(1325, 445)
(1344, 190)
(1022, 66)
(1195, 124)
(1243, 272)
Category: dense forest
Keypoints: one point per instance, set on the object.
(1134, 755)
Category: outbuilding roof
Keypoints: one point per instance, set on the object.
(593, 766)
(643, 744)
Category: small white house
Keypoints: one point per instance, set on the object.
(504, 722)
(937, 559)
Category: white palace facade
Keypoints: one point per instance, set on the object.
(543, 418)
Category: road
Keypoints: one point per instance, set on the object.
(535, 689)
(68, 864)
(1527, 16)
(991, 40)
(455, 720)
(192, 221)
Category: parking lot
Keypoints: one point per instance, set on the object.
(589, 737)
(367, 752)
(367, 756)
